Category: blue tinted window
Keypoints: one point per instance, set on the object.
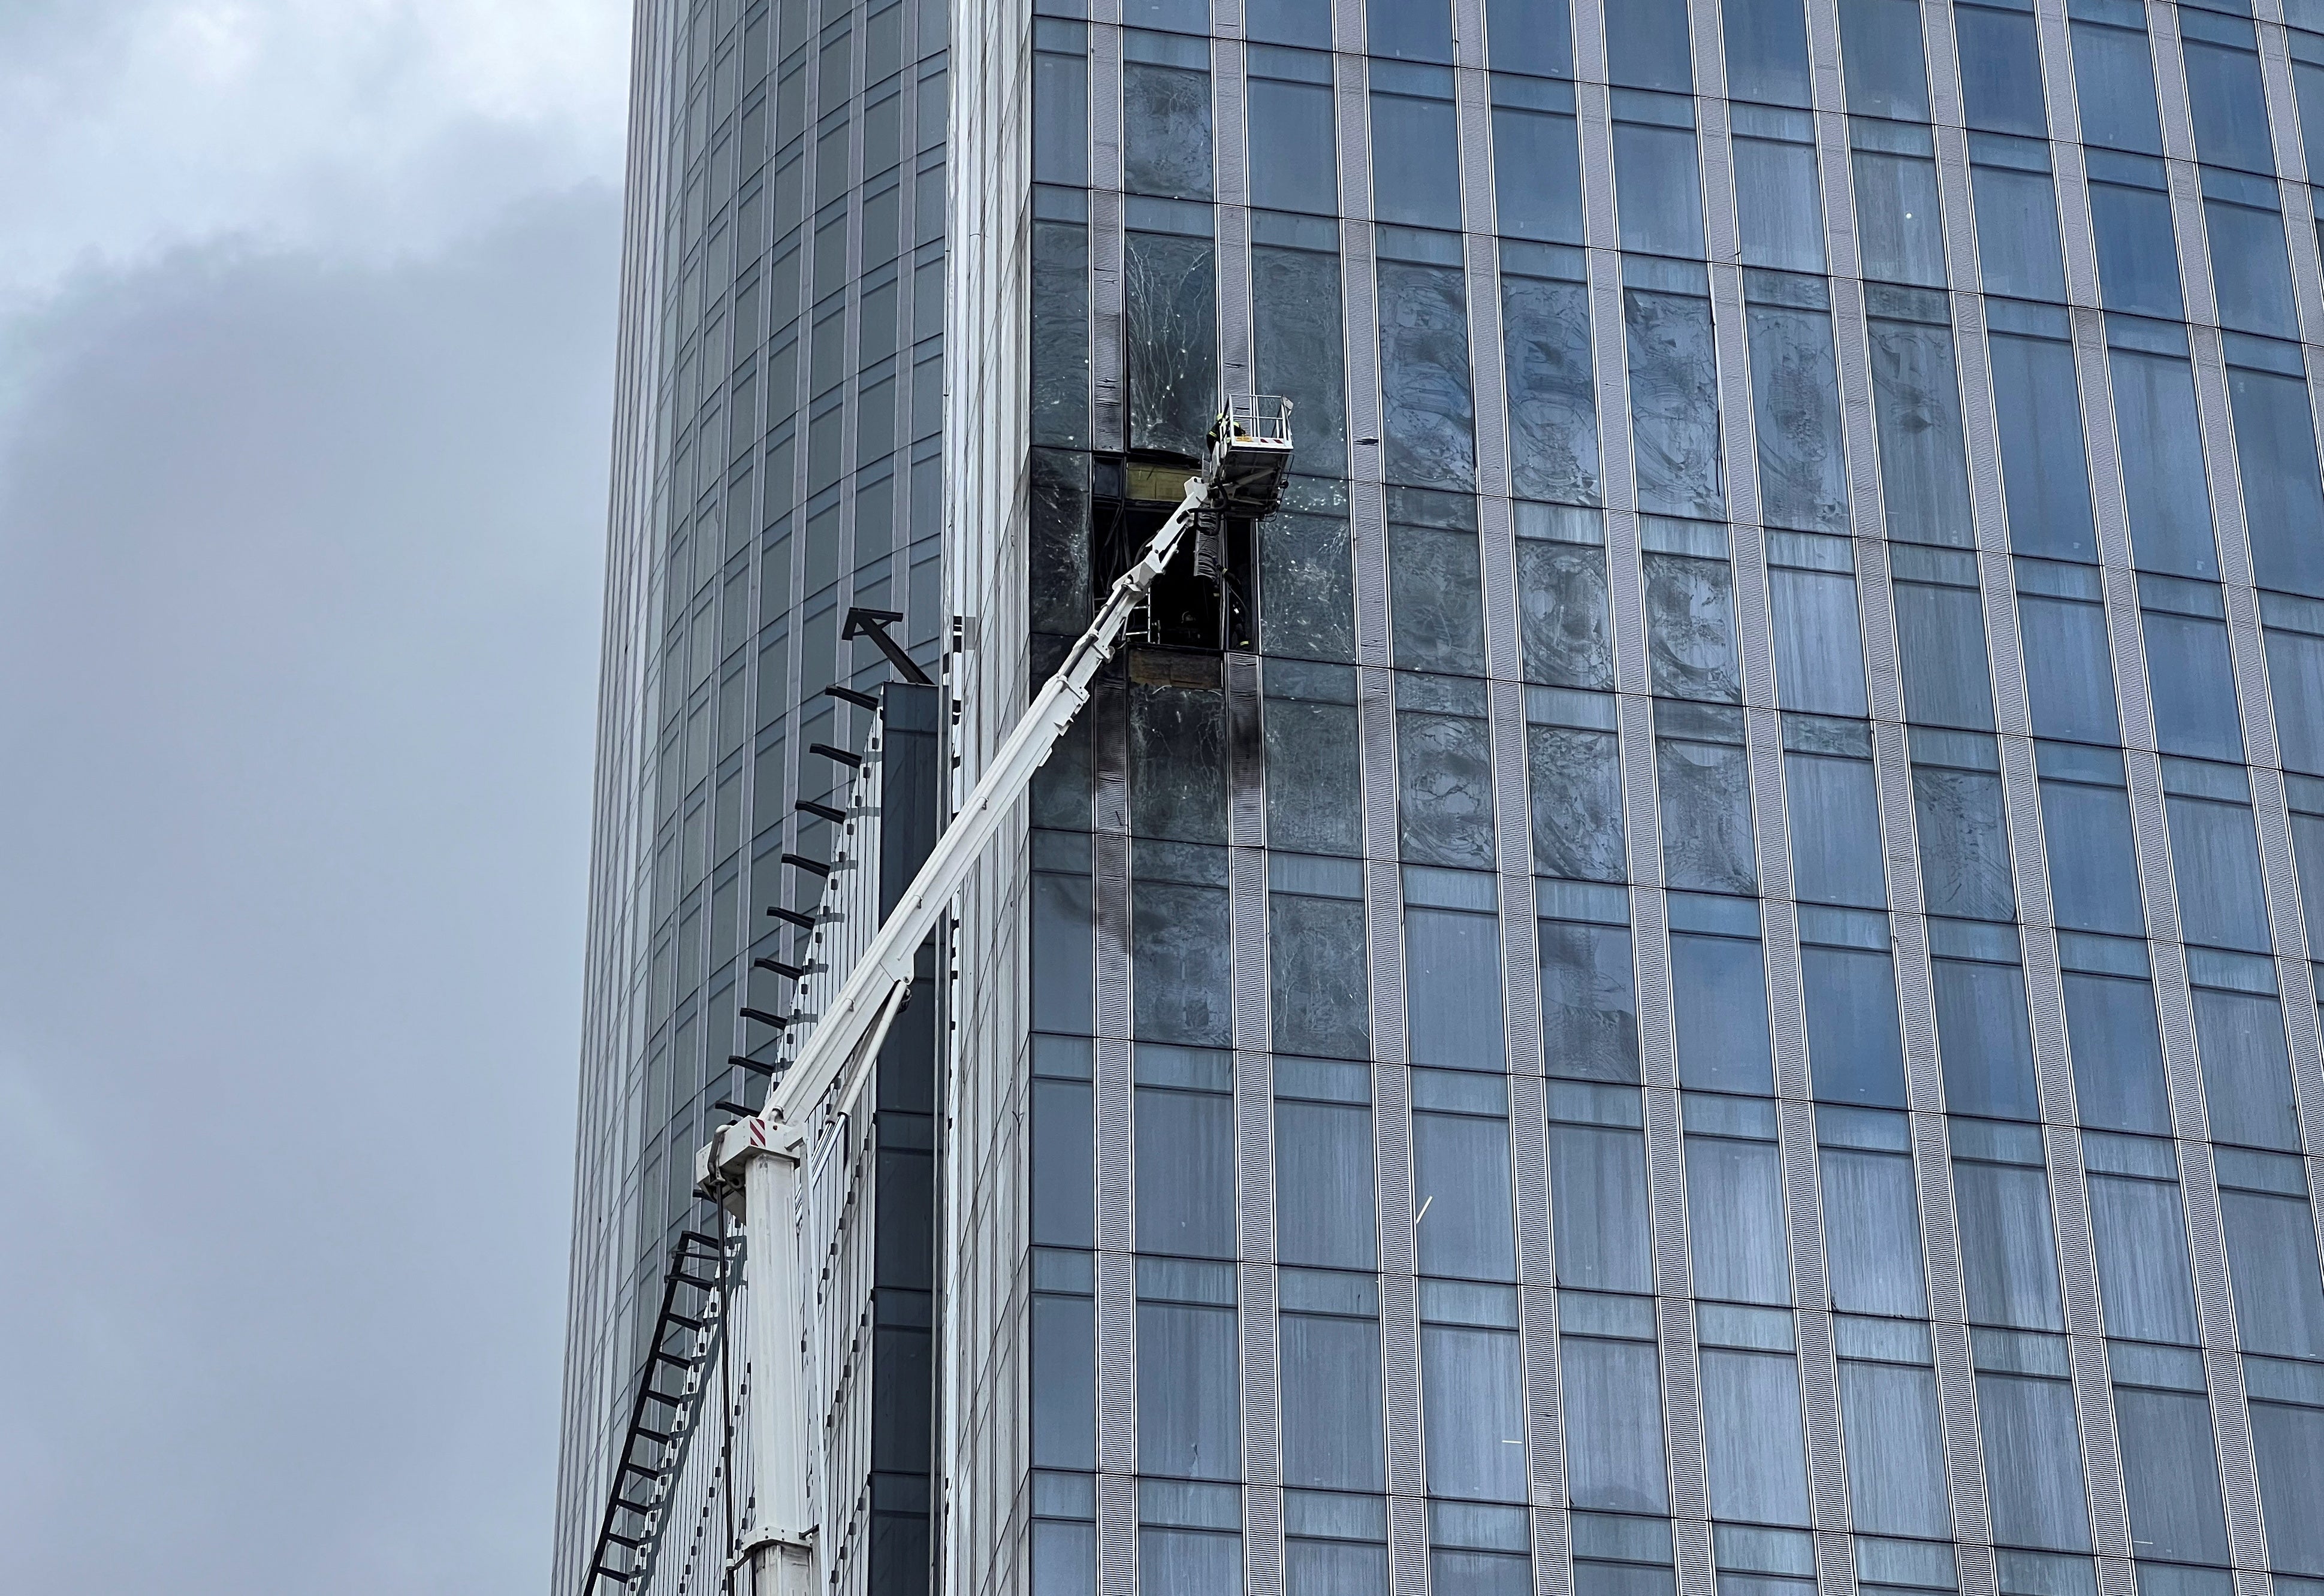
(1533, 36)
(2018, 228)
(2283, 505)
(2038, 403)
(2113, 80)
(2000, 70)
(1292, 122)
(1854, 1052)
(2138, 264)
(1646, 45)
(2117, 1053)
(2164, 486)
(1880, 45)
(2224, 93)
(1410, 30)
(1415, 161)
(1537, 174)
(1767, 51)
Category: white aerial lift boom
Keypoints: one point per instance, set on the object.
(1242, 474)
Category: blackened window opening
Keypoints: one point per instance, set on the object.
(1185, 609)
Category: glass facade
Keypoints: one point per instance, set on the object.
(1692, 975)
(777, 463)
(1714, 993)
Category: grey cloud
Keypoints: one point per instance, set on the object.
(298, 572)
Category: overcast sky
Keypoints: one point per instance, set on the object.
(306, 311)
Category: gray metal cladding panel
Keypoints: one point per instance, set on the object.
(1721, 237)
(1736, 424)
(2238, 1467)
(1642, 816)
(1600, 227)
(2023, 804)
(1234, 300)
(1407, 1546)
(1475, 125)
(1254, 1077)
(2046, 1002)
(1529, 1162)
(1657, 1041)
(1682, 1411)
(1392, 1148)
(1261, 1456)
(2175, 1017)
(2127, 644)
(1355, 113)
(1117, 1535)
(1940, 1243)
(1544, 1426)
(2249, 660)
(1666, 1180)
(1954, 207)
(1803, 1204)
(1944, 70)
(1691, 1550)
(1589, 37)
(1852, 358)
(1246, 897)
(2101, 1462)
(1262, 1540)
(2220, 460)
(1400, 1369)
(1117, 1365)
(1247, 775)
(1957, 1408)
(1552, 1573)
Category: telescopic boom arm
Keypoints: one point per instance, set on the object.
(1242, 474)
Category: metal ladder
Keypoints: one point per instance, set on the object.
(662, 1419)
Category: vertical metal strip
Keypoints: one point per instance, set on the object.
(1227, 89)
(1818, 1372)
(1400, 1295)
(1106, 241)
(2290, 153)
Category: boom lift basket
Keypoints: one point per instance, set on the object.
(1249, 455)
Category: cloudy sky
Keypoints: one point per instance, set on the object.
(306, 322)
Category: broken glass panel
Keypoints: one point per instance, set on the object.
(1673, 405)
(1795, 396)
(1170, 284)
(1429, 429)
(1552, 401)
(1166, 124)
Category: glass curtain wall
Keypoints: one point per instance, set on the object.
(785, 280)
(1713, 989)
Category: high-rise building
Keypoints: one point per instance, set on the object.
(1691, 972)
